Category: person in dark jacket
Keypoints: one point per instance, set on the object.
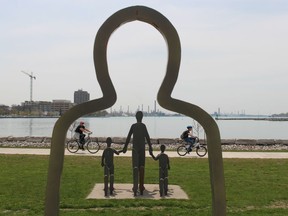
(188, 137)
(80, 130)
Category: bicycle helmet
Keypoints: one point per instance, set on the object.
(189, 126)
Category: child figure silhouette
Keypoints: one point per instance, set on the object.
(164, 166)
(108, 163)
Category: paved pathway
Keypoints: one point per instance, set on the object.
(41, 151)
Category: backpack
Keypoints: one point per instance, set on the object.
(184, 134)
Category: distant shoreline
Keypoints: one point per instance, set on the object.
(7, 117)
(216, 118)
(254, 118)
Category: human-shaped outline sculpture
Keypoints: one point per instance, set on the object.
(107, 161)
(164, 98)
(164, 166)
(140, 137)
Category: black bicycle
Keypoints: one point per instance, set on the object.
(183, 149)
(92, 146)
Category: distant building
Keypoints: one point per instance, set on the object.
(44, 106)
(61, 106)
(4, 110)
(40, 106)
(81, 96)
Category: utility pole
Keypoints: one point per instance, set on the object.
(31, 83)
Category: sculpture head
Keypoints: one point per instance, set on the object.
(139, 116)
(108, 141)
(162, 148)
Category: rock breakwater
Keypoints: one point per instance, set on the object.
(227, 144)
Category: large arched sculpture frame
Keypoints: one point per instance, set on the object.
(163, 25)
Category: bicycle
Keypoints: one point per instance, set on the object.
(92, 146)
(183, 149)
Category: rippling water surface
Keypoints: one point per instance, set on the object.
(165, 127)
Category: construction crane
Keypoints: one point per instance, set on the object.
(31, 82)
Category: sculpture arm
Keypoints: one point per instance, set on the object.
(117, 152)
(102, 159)
(152, 155)
(148, 141)
(157, 157)
(127, 140)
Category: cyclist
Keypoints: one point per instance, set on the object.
(188, 137)
(80, 129)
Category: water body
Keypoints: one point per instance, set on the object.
(158, 127)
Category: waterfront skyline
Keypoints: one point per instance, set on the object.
(126, 110)
(233, 53)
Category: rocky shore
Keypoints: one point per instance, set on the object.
(227, 144)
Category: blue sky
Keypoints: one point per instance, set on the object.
(234, 53)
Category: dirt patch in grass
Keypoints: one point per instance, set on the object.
(283, 204)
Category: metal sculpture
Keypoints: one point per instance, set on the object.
(164, 98)
(107, 162)
(140, 137)
(164, 166)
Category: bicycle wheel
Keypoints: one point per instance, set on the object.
(201, 151)
(72, 146)
(181, 150)
(93, 147)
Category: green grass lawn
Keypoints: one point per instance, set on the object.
(253, 187)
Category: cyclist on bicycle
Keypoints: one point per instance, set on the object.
(80, 129)
(188, 137)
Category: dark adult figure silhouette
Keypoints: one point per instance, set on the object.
(140, 137)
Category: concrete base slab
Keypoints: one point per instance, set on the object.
(124, 191)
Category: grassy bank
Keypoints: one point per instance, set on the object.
(253, 187)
